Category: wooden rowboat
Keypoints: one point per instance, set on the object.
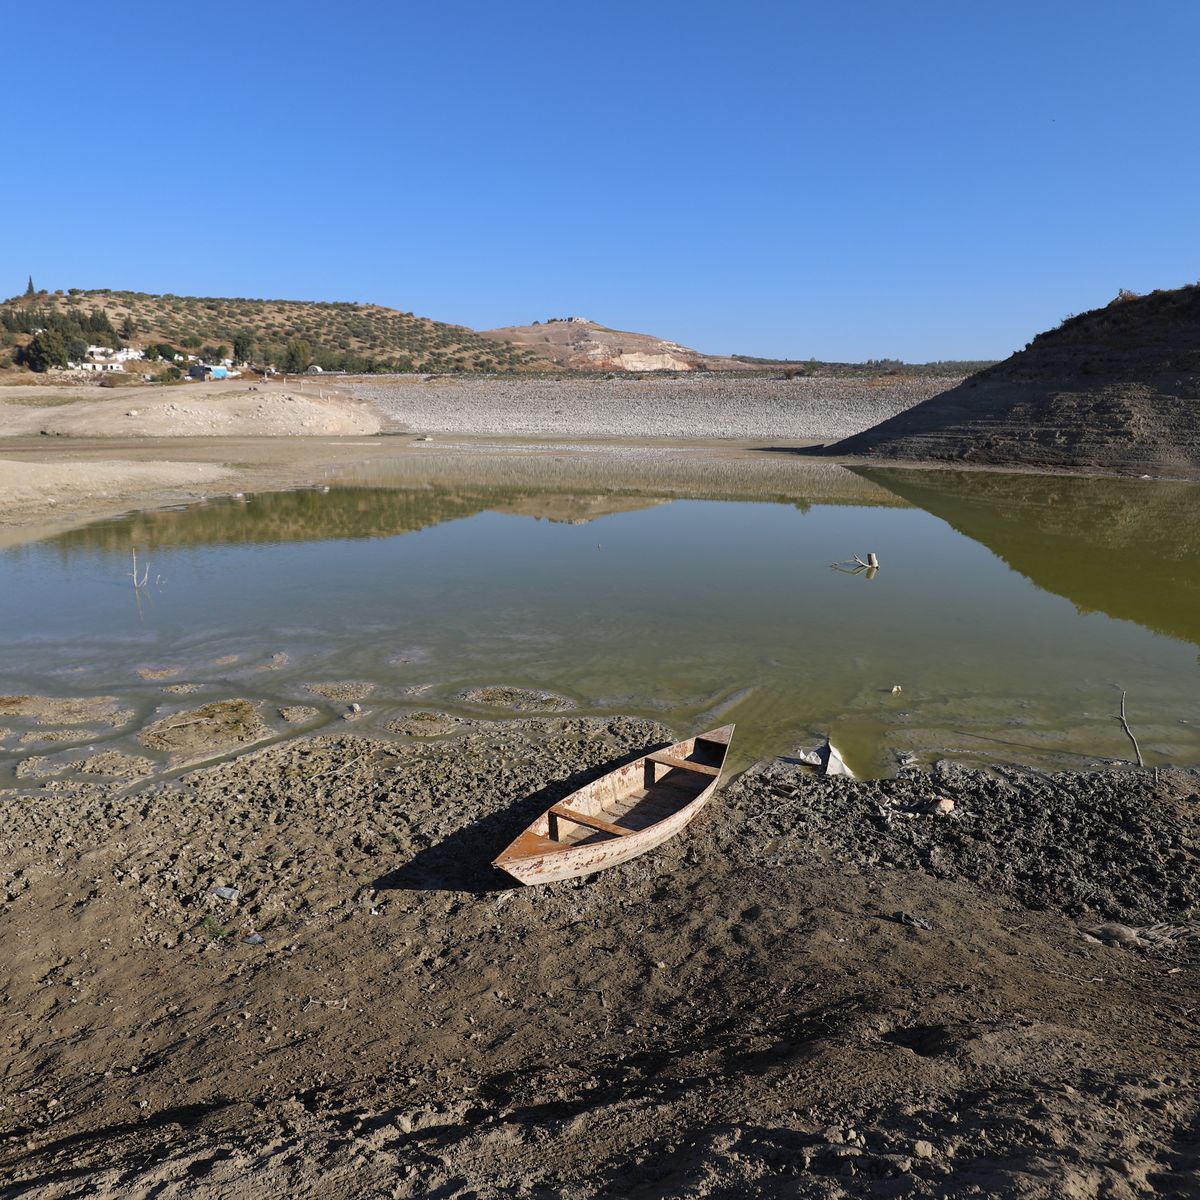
(621, 814)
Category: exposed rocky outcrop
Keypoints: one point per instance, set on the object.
(582, 345)
(1114, 390)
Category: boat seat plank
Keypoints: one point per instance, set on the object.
(669, 760)
(581, 818)
(530, 843)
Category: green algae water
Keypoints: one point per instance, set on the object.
(1009, 612)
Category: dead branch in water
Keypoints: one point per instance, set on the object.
(139, 583)
(1125, 725)
(871, 566)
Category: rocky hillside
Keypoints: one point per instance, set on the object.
(291, 334)
(582, 345)
(1115, 390)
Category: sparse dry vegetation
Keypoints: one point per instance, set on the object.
(291, 334)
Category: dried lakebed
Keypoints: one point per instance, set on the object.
(823, 988)
(696, 406)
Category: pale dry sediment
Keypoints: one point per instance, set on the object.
(698, 407)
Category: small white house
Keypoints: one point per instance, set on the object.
(108, 354)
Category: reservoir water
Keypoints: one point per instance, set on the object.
(1008, 614)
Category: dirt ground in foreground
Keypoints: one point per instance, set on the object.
(821, 989)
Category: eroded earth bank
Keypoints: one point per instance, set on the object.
(823, 988)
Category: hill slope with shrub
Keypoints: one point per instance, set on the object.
(291, 334)
(1116, 389)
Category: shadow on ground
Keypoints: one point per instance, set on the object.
(462, 862)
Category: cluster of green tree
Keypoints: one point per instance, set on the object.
(59, 336)
(298, 355)
(27, 319)
(793, 368)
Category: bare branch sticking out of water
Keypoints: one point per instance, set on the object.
(857, 566)
(139, 583)
(1125, 725)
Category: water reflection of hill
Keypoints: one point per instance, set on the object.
(1126, 547)
(430, 494)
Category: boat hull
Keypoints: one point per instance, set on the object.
(534, 857)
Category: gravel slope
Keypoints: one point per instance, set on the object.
(693, 407)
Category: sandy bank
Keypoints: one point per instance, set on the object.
(56, 484)
(234, 409)
(39, 490)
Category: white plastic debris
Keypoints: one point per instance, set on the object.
(832, 762)
(226, 893)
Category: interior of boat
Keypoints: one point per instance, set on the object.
(630, 799)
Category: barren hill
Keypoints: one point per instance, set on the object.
(583, 345)
(1116, 389)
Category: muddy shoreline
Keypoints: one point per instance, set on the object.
(952, 983)
(823, 988)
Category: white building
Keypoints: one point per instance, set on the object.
(108, 355)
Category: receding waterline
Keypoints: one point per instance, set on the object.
(1007, 616)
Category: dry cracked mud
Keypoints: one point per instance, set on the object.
(821, 989)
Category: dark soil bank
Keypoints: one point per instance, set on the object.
(951, 984)
(1116, 390)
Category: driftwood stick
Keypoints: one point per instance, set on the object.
(1125, 725)
(181, 724)
(338, 770)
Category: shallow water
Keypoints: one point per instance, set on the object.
(1011, 611)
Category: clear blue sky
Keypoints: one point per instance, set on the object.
(841, 180)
